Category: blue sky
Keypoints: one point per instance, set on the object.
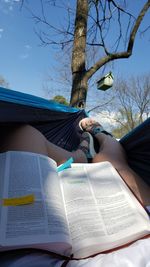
(25, 64)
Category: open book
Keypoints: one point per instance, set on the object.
(84, 210)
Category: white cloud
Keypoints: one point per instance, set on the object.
(10, 8)
(7, 6)
(27, 46)
(24, 56)
(26, 51)
(11, 1)
(105, 118)
(1, 31)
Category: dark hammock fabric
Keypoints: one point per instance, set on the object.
(137, 146)
(59, 124)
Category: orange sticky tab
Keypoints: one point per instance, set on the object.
(28, 199)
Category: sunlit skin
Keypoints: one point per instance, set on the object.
(87, 123)
(111, 150)
(27, 138)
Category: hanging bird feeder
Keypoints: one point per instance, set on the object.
(105, 82)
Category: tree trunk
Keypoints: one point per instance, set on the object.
(79, 90)
(79, 81)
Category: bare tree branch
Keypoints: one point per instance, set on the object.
(124, 54)
(90, 27)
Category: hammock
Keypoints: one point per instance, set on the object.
(59, 124)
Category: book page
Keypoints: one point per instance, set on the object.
(2, 172)
(102, 212)
(42, 223)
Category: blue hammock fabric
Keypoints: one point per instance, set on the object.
(60, 125)
(57, 122)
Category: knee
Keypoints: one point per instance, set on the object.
(98, 158)
(25, 138)
(22, 133)
(27, 130)
(28, 134)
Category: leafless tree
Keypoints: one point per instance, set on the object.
(3, 82)
(132, 101)
(90, 26)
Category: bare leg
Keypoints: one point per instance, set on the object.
(27, 138)
(112, 151)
